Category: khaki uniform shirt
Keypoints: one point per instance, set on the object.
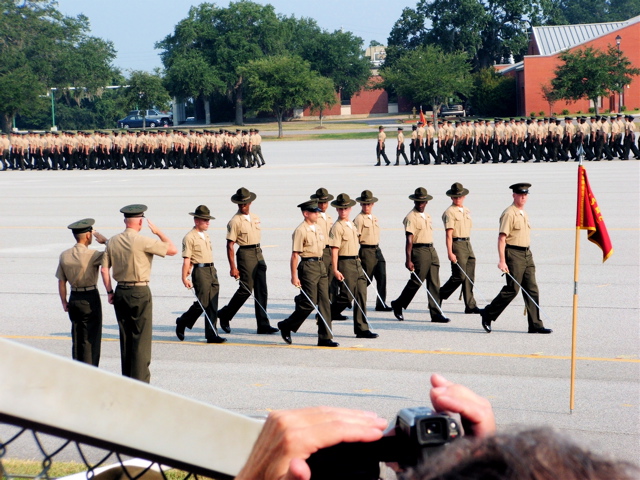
(382, 137)
(630, 128)
(325, 225)
(344, 236)
(514, 223)
(400, 138)
(421, 228)
(307, 241)
(196, 248)
(79, 266)
(5, 143)
(257, 139)
(458, 219)
(420, 133)
(243, 231)
(414, 135)
(368, 229)
(130, 255)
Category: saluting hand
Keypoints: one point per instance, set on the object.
(100, 238)
(152, 227)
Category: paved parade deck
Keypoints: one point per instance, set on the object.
(526, 377)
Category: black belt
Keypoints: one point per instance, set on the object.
(368, 246)
(423, 244)
(515, 247)
(311, 259)
(133, 284)
(344, 257)
(83, 289)
(199, 265)
(460, 239)
(327, 246)
(257, 245)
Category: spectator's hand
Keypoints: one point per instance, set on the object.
(476, 412)
(289, 437)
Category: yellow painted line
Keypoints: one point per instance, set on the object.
(620, 359)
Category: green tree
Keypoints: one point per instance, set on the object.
(145, 91)
(323, 96)
(40, 48)
(279, 84)
(493, 94)
(591, 73)
(570, 12)
(226, 39)
(338, 55)
(430, 76)
(490, 31)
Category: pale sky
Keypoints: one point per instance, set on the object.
(135, 25)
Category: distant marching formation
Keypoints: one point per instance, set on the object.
(118, 150)
(516, 139)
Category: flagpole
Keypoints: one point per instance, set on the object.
(574, 326)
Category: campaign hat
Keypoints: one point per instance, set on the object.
(343, 201)
(366, 197)
(322, 195)
(457, 190)
(82, 226)
(420, 195)
(203, 212)
(243, 196)
(520, 187)
(135, 210)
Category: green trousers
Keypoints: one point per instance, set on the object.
(467, 261)
(133, 306)
(85, 313)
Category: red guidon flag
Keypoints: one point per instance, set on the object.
(589, 216)
(424, 122)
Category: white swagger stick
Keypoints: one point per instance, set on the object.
(254, 298)
(377, 293)
(428, 292)
(315, 307)
(355, 301)
(527, 294)
(471, 281)
(205, 312)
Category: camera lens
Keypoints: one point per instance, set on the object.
(433, 428)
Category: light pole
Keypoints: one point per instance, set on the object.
(618, 41)
(53, 111)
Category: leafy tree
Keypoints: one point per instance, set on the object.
(323, 96)
(279, 84)
(493, 94)
(146, 91)
(490, 31)
(338, 55)
(40, 48)
(430, 76)
(591, 73)
(550, 95)
(569, 12)
(226, 39)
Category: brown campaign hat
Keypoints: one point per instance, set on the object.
(243, 196)
(82, 226)
(420, 195)
(520, 187)
(136, 210)
(366, 197)
(202, 212)
(343, 201)
(457, 190)
(309, 206)
(322, 195)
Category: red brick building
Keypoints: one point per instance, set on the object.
(546, 44)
